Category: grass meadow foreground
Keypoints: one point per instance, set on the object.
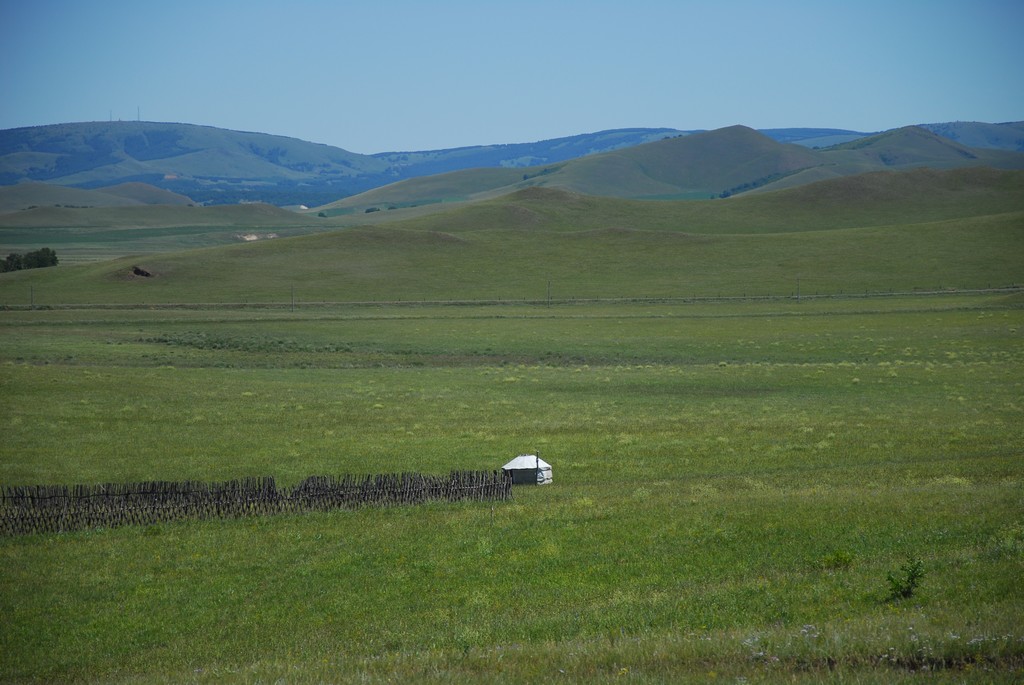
(742, 492)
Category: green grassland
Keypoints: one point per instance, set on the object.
(20, 197)
(736, 478)
(100, 233)
(734, 482)
(875, 233)
(398, 264)
(453, 186)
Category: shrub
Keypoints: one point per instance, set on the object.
(903, 583)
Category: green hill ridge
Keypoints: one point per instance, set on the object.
(716, 163)
(877, 232)
(33, 195)
(219, 166)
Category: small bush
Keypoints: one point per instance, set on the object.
(903, 583)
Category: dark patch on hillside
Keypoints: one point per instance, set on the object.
(155, 144)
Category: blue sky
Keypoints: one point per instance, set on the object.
(383, 75)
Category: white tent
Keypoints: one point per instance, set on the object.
(528, 469)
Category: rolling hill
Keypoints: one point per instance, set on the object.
(874, 199)
(205, 163)
(1008, 136)
(145, 194)
(115, 230)
(217, 166)
(699, 165)
(136, 216)
(876, 232)
(716, 163)
(904, 148)
(33, 195)
(518, 155)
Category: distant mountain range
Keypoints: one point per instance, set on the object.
(208, 165)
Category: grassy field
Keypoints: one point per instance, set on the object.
(899, 205)
(99, 233)
(745, 488)
(508, 252)
(734, 485)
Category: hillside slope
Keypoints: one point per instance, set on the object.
(145, 194)
(1007, 136)
(394, 264)
(702, 164)
(132, 214)
(518, 155)
(866, 200)
(218, 166)
(31, 195)
(221, 166)
(108, 232)
(203, 162)
(904, 148)
(905, 230)
(911, 146)
(716, 163)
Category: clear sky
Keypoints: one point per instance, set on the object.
(387, 75)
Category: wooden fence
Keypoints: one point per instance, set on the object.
(58, 508)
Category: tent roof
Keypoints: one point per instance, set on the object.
(526, 461)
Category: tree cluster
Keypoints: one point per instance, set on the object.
(30, 260)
